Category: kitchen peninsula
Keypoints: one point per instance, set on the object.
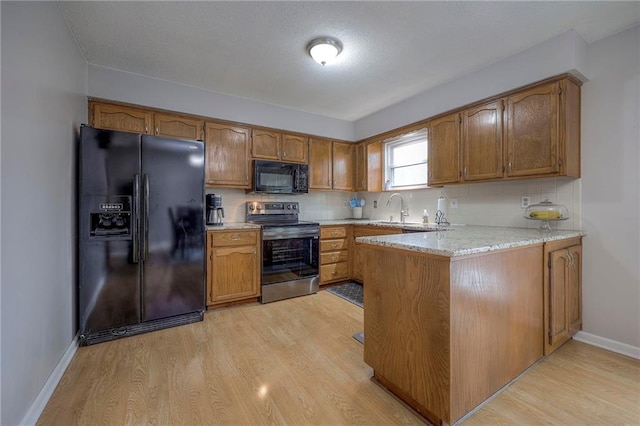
(453, 316)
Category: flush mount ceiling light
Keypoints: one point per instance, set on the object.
(323, 50)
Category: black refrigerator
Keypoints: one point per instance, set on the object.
(141, 233)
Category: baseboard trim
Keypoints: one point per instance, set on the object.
(32, 416)
(608, 344)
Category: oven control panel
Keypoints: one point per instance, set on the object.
(272, 208)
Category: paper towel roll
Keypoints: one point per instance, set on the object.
(443, 207)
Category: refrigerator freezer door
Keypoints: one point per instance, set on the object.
(173, 227)
(109, 280)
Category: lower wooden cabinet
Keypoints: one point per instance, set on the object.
(562, 292)
(233, 269)
(358, 250)
(334, 253)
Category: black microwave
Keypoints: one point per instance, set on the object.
(275, 177)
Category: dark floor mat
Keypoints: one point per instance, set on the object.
(350, 291)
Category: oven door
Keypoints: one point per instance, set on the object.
(289, 259)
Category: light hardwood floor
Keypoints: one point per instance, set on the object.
(295, 362)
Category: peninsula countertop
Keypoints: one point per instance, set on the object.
(465, 240)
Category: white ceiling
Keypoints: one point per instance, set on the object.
(392, 50)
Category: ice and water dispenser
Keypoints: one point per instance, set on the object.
(110, 218)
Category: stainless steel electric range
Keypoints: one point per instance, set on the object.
(289, 250)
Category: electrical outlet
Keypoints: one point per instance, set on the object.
(453, 202)
(344, 204)
(524, 203)
(375, 204)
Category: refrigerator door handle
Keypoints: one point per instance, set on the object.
(136, 225)
(145, 240)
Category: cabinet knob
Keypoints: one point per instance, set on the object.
(334, 273)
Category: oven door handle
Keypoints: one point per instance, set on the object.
(287, 236)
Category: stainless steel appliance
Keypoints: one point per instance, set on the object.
(274, 177)
(141, 233)
(215, 211)
(289, 250)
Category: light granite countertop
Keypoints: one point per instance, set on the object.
(232, 226)
(466, 240)
(411, 226)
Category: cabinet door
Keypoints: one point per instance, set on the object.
(533, 131)
(558, 331)
(125, 119)
(295, 148)
(265, 144)
(574, 290)
(361, 167)
(227, 155)
(320, 166)
(374, 167)
(358, 250)
(444, 150)
(343, 166)
(234, 274)
(482, 142)
(176, 126)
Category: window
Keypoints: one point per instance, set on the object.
(406, 161)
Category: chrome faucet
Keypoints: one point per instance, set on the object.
(403, 214)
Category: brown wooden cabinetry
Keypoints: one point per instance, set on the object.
(227, 155)
(233, 269)
(120, 117)
(543, 130)
(562, 292)
(332, 164)
(343, 166)
(482, 142)
(334, 253)
(270, 145)
(368, 165)
(444, 149)
(178, 126)
(358, 250)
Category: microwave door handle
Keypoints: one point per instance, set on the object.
(295, 178)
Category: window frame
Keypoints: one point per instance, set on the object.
(412, 137)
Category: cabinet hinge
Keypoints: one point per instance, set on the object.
(460, 119)
(559, 91)
(549, 333)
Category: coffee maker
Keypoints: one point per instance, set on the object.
(215, 212)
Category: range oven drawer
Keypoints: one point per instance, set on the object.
(333, 245)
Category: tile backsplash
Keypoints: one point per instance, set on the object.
(492, 204)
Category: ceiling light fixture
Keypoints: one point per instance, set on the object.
(324, 50)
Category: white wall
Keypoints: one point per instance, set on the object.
(610, 188)
(44, 83)
(142, 90)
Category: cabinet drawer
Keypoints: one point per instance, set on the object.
(334, 257)
(233, 238)
(333, 232)
(333, 245)
(334, 271)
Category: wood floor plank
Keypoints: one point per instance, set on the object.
(294, 362)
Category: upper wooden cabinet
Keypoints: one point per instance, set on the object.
(332, 164)
(320, 164)
(343, 166)
(482, 142)
(178, 126)
(270, 145)
(444, 149)
(543, 130)
(368, 165)
(227, 155)
(532, 132)
(119, 117)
